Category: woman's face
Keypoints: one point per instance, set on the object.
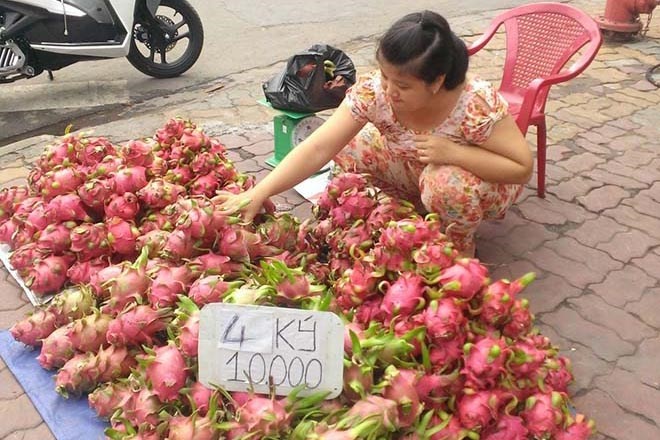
(404, 91)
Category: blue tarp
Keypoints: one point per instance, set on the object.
(68, 419)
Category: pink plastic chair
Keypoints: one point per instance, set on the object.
(540, 39)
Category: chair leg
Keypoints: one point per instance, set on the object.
(540, 157)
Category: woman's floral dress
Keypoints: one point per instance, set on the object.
(385, 150)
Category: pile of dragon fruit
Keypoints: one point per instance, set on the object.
(133, 241)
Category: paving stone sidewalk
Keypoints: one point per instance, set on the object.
(594, 241)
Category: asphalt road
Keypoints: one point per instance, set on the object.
(239, 35)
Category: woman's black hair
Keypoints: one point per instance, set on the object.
(423, 45)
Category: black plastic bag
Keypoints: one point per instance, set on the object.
(312, 81)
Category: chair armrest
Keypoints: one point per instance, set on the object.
(479, 44)
(535, 87)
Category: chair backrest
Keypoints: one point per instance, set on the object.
(540, 39)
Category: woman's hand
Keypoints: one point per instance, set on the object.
(436, 150)
(247, 203)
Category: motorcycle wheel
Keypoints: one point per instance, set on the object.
(149, 51)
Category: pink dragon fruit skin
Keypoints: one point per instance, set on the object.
(89, 332)
(90, 240)
(464, 279)
(167, 372)
(404, 296)
(8, 230)
(108, 397)
(401, 389)
(55, 239)
(580, 429)
(143, 408)
(68, 207)
(24, 257)
(188, 339)
(48, 275)
(42, 216)
(35, 327)
(167, 284)
(521, 320)
(478, 410)
(358, 283)
(138, 153)
(507, 428)
(192, 428)
(125, 206)
(559, 377)
(137, 325)
(444, 319)
(200, 397)
(206, 185)
(94, 192)
(264, 415)
(447, 352)
(543, 413)
(484, 362)
(129, 180)
(56, 349)
(122, 236)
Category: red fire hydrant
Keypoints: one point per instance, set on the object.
(622, 16)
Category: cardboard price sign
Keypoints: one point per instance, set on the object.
(243, 347)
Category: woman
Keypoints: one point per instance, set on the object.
(422, 129)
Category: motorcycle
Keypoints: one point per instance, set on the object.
(160, 38)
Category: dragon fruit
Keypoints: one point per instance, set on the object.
(122, 236)
(9, 198)
(166, 371)
(158, 193)
(179, 245)
(464, 279)
(89, 332)
(138, 153)
(55, 239)
(211, 289)
(34, 327)
(41, 216)
(544, 413)
(484, 362)
(56, 349)
(167, 283)
(444, 319)
(48, 275)
(187, 326)
(129, 180)
(404, 296)
(214, 264)
(579, 429)
(143, 408)
(194, 427)
(264, 416)
(24, 257)
(130, 285)
(358, 283)
(94, 192)
(381, 413)
(205, 185)
(8, 232)
(200, 397)
(125, 206)
(61, 180)
(108, 397)
(90, 240)
(85, 371)
(179, 175)
(399, 385)
(499, 297)
(477, 410)
(71, 304)
(68, 207)
(94, 150)
(137, 325)
(521, 320)
(507, 428)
